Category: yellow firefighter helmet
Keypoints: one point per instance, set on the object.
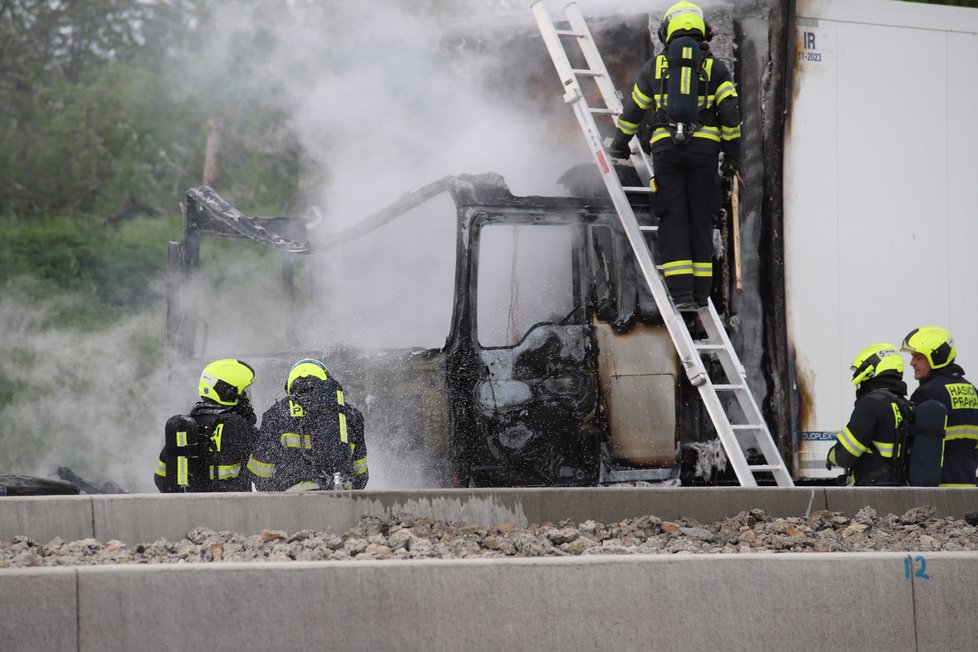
(306, 367)
(226, 381)
(932, 342)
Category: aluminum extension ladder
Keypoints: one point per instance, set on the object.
(735, 428)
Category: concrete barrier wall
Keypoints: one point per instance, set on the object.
(703, 602)
(945, 595)
(39, 609)
(142, 518)
(45, 517)
(809, 601)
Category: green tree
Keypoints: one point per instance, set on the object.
(107, 99)
(79, 103)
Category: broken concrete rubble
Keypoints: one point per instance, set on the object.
(411, 537)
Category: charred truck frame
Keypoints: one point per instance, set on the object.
(585, 388)
(589, 393)
(585, 394)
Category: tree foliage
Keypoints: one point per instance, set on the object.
(112, 268)
(106, 99)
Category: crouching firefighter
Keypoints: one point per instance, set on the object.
(873, 445)
(311, 439)
(207, 450)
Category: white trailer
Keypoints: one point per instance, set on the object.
(880, 195)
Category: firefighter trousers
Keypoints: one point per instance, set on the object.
(687, 203)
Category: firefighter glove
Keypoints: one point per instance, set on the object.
(619, 146)
(830, 459)
(730, 166)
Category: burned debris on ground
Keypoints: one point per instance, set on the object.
(66, 483)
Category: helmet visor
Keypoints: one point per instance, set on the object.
(860, 368)
(869, 361)
(906, 346)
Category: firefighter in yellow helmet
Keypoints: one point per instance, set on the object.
(310, 436)
(932, 356)
(870, 447)
(207, 450)
(695, 116)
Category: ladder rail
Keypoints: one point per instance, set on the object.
(558, 55)
(688, 355)
(575, 97)
(733, 368)
(602, 79)
(690, 352)
(727, 436)
(596, 70)
(594, 61)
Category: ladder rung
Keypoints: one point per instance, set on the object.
(745, 426)
(761, 468)
(581, 72)
(651, 229)
(644, 189)
(728, 388)
(601, 111)
(708, 346)
(568, 32)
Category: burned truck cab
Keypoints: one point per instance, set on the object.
(558, 369)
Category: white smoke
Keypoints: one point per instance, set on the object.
(90, 400)
(383, 96)
(388, 96)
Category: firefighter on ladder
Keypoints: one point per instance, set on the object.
(686, 190)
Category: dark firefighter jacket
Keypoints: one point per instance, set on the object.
(305, 439)
(358, 445)
(719, 113)
(208, 449)
(865, 447)
(949, 386)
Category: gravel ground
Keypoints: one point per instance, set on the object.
(413, 537)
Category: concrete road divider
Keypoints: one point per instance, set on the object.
(813, 601)
(885, 601)
(140, 518)
(39, 609)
